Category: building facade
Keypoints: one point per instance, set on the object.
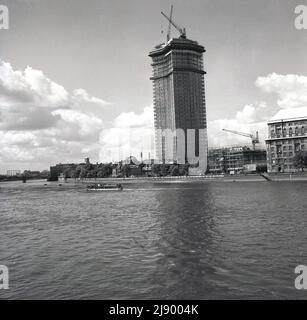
(61, 168)
(236, 160)
(12, 173)
(287, 137)
(179, 101)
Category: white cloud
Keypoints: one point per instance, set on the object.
(129, 135)
(291, 89)
(17, 138)
(41, 123)
(30, 86)
(82, 95)
(76, 126)
(252, 113)
(132, 120)
(26, 117)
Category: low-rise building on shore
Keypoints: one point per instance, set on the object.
(60, 168)
(287, 137)
(12, 173)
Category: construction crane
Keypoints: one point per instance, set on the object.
(171, 22)
(255, 138)
(168, 36)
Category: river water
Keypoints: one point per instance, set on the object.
(209, 240)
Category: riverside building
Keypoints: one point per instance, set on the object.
(287, 136)
(179, 102)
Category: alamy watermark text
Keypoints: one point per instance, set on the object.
(4, 17)
(300, 21)
(4, 277)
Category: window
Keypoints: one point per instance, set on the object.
(296, 131)
(278, 132)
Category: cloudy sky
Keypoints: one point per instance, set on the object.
(74, 74)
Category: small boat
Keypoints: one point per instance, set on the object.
(104, 187)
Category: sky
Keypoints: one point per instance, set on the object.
(74, 74)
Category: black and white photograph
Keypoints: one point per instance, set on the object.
(153, 151)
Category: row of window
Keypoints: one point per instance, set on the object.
(278, 132)
(285, 153)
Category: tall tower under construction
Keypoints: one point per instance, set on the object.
(179, 95)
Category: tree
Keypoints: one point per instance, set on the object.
(104, 171)
(184, 170)
(89, 167)
(101, 174)
(67, 173)
(83, 173)
(300, 160)
(74, 174)
(164, 170)
(126, 170)
(90, 174)
(156, 169)
(174, 170)
(78, 171)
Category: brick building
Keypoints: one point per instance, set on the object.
(287, 136)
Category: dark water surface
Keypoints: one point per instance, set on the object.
(153, 241)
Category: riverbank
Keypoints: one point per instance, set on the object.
(208, 178)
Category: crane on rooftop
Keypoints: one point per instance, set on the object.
(255, 138)
(171, 22)
(168, 36)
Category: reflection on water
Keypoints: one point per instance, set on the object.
(153, 241)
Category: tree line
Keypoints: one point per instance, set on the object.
(124, 170)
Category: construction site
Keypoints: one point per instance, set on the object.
(238, 159)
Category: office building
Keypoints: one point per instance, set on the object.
(179, 101)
